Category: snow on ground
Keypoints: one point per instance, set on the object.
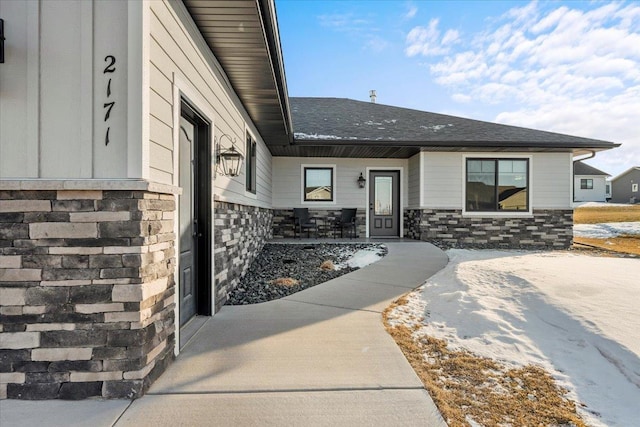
(362, 258)
(599, 205)
(605, 230)
(575, 315)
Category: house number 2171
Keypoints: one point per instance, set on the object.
(110, 68)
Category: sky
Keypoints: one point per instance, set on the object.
(564, 66)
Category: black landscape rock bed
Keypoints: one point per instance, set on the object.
(297, 261)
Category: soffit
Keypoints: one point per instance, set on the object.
(243, 36)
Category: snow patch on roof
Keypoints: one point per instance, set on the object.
(372, 123)
(302, 135)
(436, 128)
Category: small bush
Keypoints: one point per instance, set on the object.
(327, 265)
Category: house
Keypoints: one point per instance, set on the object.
(624, 187)
(589, 184)
(124, 210)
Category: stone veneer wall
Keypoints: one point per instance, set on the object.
(545, 229)
(86, 292)
(283, 221)
(240, 232)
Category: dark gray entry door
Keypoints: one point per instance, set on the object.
(187, 278)
(384, 204)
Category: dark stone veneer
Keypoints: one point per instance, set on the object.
(240, 232)
(548, 228)
(86, 291)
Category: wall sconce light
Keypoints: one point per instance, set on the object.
(361, 181)
(228, 158)
(2, 41)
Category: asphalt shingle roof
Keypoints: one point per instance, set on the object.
(349, 122)
(580, 168)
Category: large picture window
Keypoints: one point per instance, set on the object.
(318, 184)
(586, 184)
(250, 162)
(496, 185)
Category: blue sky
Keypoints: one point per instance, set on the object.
(565, 66)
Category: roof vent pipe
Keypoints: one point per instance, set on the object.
(372, 95)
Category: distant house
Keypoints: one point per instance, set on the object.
(589, 183)
(624, 187)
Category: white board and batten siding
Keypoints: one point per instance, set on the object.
(443, 179)
(179, 65)
(288, 181)
(53, 90)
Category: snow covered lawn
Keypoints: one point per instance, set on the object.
(574, 315)
(606, 229)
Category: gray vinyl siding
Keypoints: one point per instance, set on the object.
(442, 181)
(414, 181)
(175, 50)
(622, 185)
(552, 176)
(287, 181)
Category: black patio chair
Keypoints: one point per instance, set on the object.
(347, 221)
(303, 222)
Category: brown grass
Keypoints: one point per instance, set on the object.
(284, 281)
(628, 244)
(327, 265)
(465, 385)
(596, 215)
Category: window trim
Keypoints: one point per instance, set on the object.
(492, 156)
(248, 163)
(303, 180)
(584, 183)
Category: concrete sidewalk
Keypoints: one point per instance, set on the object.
(318, 357)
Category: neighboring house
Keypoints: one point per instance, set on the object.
(589, 183)
(624, 187)
(123, 214)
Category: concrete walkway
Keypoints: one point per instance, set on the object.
(318, 357)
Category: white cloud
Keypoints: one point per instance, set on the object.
(427, 41)
(560, 68)
(411, 12)
(359, 28)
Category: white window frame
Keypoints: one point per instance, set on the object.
(334, 186)
(634, 188)
(247, 193)
(497, 156)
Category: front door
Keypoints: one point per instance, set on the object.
(188, 301)
(194, 215)
(384, 204)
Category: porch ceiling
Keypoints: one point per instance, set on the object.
(243, 36)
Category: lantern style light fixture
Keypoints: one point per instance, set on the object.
(361, 181)
(229, 159)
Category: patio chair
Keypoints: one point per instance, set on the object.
(303, 222)
(347, 221)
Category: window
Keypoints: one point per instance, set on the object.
(586, 184)
(634, 188)
(318, 184)
(250, 168)
(497, 185)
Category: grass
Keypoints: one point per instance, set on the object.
(467, 387)
(285, 281)
(628, 244)
(613, 213)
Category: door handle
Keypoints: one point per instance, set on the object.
(196, 229)
(370, 206)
